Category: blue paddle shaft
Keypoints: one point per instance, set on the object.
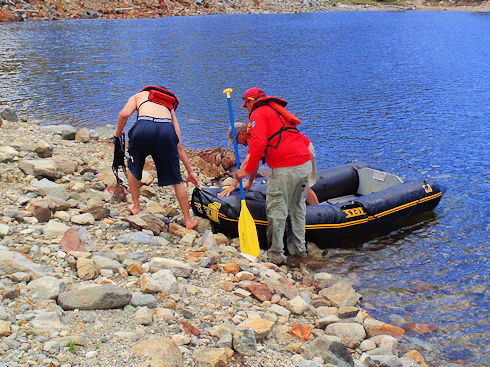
(235, 143)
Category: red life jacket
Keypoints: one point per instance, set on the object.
(288, 119)
(161, 96)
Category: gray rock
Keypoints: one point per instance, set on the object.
(178, 268)
(68, 132)
(332, 352)
(352, 333)
(40, 168)
(99, 297)
(47, 322)
(12, 262)
(244, 342)
(307, 363)
(54, 229)
(3, 313)
(9, 114)
(167, 281)
(139, 299)
(46, 187)
(44, 288)
(106, 263)
(142, 238)
(4, 230)
(143, 316)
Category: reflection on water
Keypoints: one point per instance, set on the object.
(405, 91)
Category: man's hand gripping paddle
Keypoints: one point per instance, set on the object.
(249, 242)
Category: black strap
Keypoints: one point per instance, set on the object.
(279, 132)
(119, 155)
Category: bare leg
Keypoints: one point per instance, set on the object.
(311, 197)
(134, 189)
(181, 194)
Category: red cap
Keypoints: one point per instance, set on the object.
(251, 95)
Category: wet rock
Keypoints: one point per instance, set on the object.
(99, 297)
(375, 327)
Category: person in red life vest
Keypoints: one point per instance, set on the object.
(156, 132)
(242, 133)
(275, 137)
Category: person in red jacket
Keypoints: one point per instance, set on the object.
(288, 157)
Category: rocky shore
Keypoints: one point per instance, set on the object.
(84, 283)
(19, 10)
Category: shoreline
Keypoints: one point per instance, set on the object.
(14, 11)
(84, 282)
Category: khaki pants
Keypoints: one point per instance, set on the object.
(286, 199)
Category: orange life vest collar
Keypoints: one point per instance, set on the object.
(161, 96)
(279, 105)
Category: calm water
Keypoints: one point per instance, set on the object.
(407, 91)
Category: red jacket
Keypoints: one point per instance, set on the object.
(291, 151)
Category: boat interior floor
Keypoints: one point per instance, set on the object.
(340, 199)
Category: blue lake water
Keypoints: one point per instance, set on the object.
(407, 91)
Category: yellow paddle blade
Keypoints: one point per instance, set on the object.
(249, 242)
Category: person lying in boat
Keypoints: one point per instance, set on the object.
(242, 132)
(156, 132)
(274, 136)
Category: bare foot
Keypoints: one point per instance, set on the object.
(133, 209)
(193, 223)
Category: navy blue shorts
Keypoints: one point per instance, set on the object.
(155, 137)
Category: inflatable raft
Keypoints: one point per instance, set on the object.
(355, 199)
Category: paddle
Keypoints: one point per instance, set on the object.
(249, 242)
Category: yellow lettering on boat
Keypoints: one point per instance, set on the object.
(212, 210)
(427, 188)
(354, 212)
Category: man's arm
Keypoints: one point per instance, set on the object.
(124, 115)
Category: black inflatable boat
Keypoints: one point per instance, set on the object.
(355, 201)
